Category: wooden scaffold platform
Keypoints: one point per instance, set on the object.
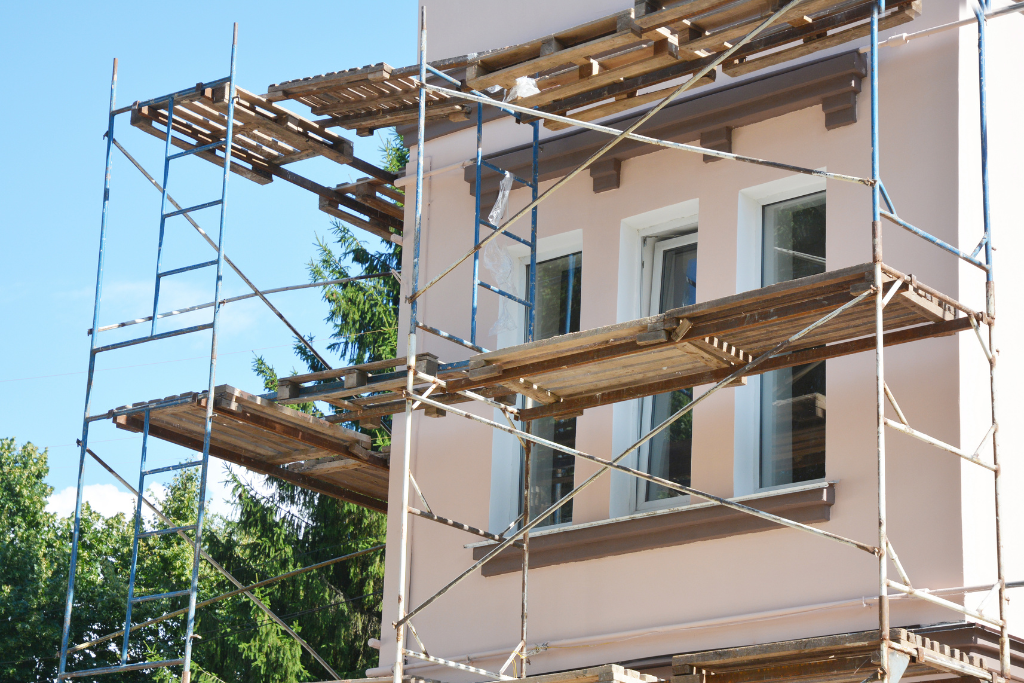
(679, 349)
(264, 437)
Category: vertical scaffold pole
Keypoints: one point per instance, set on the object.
(70, 598)
(200, 514)
(476, 220)
(403, 511)
(527, 448)
(990, 309)
(531, 314)
(876, 259)
(535, 179)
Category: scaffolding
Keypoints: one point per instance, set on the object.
(882, 285)
(811, 319)
(247, 135)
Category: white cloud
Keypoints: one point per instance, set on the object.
(105, 499)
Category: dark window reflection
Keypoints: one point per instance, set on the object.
(793, 399)
(558, 312)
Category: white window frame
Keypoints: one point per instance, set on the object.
(655, 265)
(747, 416)
(637, 240)
(505, 448)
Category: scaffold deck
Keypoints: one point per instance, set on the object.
(682, 348)
(598, 68)
(841, 658)
(264, 437)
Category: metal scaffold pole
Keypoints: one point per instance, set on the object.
(993, 355)
(406, 459)
(69, 602)
(196, 554)
(879, 296)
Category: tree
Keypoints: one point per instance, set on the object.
(34, 565)
(338, 607)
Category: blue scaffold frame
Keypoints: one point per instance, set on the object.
(533, 183)
(95, 350)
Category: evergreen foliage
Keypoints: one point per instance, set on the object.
(278, 527)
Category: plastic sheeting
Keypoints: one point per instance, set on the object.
(500, 264)
(524, 87)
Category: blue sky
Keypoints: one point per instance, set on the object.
(57, 62)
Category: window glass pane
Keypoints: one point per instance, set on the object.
(558, 296)
(558, 312)
(551, 471)
(668, 453)
(793, 399)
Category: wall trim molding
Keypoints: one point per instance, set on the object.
(832, 83)
(662, 528)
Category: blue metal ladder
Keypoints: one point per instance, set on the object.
(202, 463)
(529, 303)
(478, 221)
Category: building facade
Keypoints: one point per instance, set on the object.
(630, 572)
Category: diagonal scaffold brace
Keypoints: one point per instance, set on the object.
(608, 465)
(623, 135)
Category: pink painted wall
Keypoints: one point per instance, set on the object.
(926, 103)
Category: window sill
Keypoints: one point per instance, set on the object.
(662, 528)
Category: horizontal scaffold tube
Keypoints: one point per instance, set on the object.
(292, 288)
(608, 465)
(650, 477)
(928, 597)
(619, 137)
(696, 149)
(224, 596)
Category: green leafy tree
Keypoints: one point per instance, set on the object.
(338, 607)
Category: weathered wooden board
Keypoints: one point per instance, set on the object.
(272, 439)
(604, 62)
(682, 348)
(841, 658)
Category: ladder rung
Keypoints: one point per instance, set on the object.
(507, 295)
(502, 171)
(517, 238)
(152, 337)
(451, 337)
(169, 530)
(197, 207)
(169, 468)
(127, 667)
(185, 269)
(160, 596)
(196, 150)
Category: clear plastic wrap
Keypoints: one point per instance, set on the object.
(500, 264)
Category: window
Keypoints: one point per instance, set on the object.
(792, 443)
(558, 312)
(667, 455)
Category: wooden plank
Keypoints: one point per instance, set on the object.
(390, 117)
(135, 424)
(899, 17)
(633, 391)
(624, 104)
(365, 367)
(925, 305)
(753, 653)
(665, 53)
(530, 390)
(503, 58)
(333, 463)
(290, 416)
(335, 79)
(148, 125)
(506, 77)
(244, 413)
